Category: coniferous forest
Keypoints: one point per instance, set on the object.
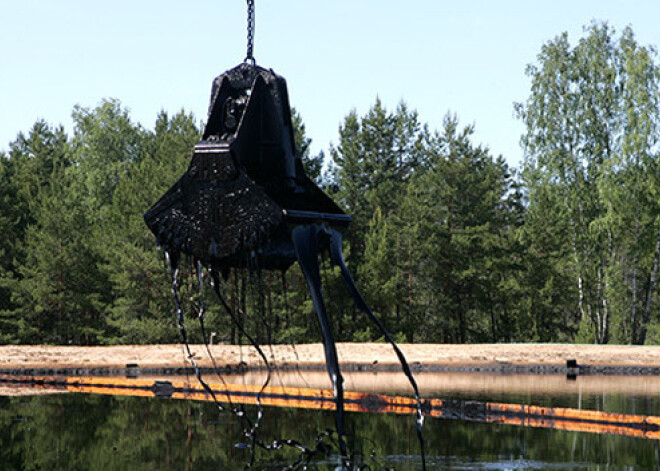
(449, 243)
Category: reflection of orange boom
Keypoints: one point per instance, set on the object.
(576, 420)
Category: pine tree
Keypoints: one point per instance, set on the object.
(52, 288)
(141, 307)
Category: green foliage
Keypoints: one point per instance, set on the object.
(469, 258)
(433, 245)
(448, 243)
(437, 237)
(313, 164)
(133, 263)
(591, 167)
(85, 268)
(52, 298)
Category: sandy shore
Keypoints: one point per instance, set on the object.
(311, 355)
(502, 368)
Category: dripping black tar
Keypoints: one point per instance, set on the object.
(245, 203)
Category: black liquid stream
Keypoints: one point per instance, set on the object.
(337, 258)
(305, 241)
(173, 258)
(308, 241)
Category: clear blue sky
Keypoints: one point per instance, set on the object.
(466, 57)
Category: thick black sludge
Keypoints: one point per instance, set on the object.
(337, 258)
(306, 242)
(245, 203)
(250, 430)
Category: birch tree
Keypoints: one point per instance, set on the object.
(590, 147)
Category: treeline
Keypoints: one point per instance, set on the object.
(448, 244)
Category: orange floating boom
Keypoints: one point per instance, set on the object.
(575, 420)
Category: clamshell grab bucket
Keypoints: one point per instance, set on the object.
(246, 184)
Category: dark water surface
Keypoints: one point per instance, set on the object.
(99, 432)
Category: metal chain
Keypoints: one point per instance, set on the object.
(250, 31)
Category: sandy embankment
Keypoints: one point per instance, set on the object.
(304, 366)
(311, 355)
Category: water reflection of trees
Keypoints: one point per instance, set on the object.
(76, 432)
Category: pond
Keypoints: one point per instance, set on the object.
(47, 429)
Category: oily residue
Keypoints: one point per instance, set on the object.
(246, 204)
(308, 241)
